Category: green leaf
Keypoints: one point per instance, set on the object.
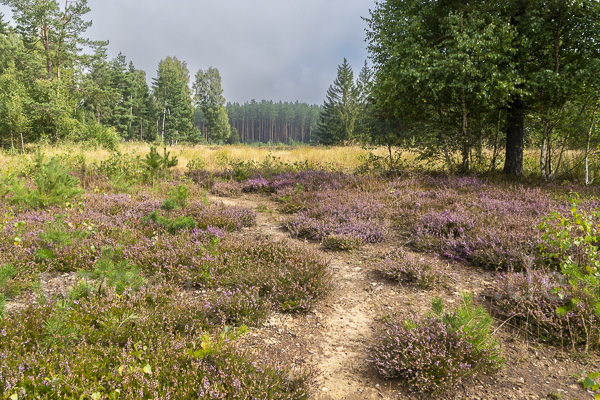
(588, 383)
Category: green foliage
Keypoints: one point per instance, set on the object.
(53, 186)
(95, 135)
(155, 164)
(172, 225)
(108, 273)
(589, 383)
(123, 168)
(195, 163)
(58, 234)
(572, 243)
(475, 322)
(7, 273)
(58, 329)
(234, 137)
(209, 98)
(174, 99)
(179, 195)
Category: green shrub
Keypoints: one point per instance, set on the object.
(96, 135)
(107, 273)
(136, 346)
(440, 352)
(172, 225)
(8, 286)
(155, 164)
(53, 186)
(179, 195)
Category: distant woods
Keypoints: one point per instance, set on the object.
(274, 122)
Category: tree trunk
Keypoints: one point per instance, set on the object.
(515, 138)
(466, 147)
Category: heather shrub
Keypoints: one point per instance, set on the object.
(562, 306)
(439, 352)
(465, 218)
(255, 184)
(292, 278)
(342, 242)
(220, 216)
(360, 216)
(404, 268)
(226, 189)
(548, 308)
(131, 347)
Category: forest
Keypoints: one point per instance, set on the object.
(52, 90)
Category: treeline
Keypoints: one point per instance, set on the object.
(267, 121)
(55, 84)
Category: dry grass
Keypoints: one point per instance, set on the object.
(344, 158)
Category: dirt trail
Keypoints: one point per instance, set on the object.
(343, 321)
(332, 337)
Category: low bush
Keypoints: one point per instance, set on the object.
(405, 268)
(360, 217)
(134, 347)
(342, 242)
(53, 186)
(96, 135)
(559, 302)
(226, 189)
(291, 277)
(439, 352)
(466, 218)
(547, 308)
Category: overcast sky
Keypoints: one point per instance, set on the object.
(276, 50)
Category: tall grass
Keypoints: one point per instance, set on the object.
(342, 158)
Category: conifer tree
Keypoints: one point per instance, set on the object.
(209, 97)
(338, 118)
(173, 96)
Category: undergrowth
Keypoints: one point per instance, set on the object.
(437, 353)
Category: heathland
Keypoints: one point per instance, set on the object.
(291, 273)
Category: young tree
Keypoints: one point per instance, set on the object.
(340, 110)
(209, 97)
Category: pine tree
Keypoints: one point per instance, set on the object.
(173, 95)
(338, 118)
(209, 97)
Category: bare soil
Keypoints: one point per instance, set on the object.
(332, 337)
